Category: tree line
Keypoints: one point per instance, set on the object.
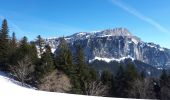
(30, 62)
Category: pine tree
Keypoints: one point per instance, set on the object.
(41, 43)
(120, 83)
(79, 60)
(107, 77)
(164, 86)
(64, 57)
(81, 71)
(131, 72)
(4, 45)
(12, 50)
(24, 48)
(163, 78)
(142, 75)
(46, 63)
(13, 41)
(34, 53)
(130, 76)
(47, 60)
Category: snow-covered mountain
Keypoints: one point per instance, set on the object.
(116, 45)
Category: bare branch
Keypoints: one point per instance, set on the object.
(23, 68)
(95, 88)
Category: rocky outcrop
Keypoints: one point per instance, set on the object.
(116, 44)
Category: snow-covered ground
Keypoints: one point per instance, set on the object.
(12, 90)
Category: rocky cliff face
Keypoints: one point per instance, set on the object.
(116, 44)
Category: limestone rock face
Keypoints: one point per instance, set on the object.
(116, 44)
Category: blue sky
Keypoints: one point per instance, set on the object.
(147, 19)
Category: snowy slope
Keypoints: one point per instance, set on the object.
(11, 90)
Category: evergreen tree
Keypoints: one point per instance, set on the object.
(82, 72)
(34, 53)
(163, 78)
(79, 60)
(47, 60)
(130, 76)
(93, 74)
(41, 43)
(131, 72)
(4, 45)
(108, 80)
(24, 48)
(120, 83)
(13, 41)
(164, 86)
(64, 57)
(107, 77)
(13, 48)
(124, 80)
(142, 75)
(46, 63)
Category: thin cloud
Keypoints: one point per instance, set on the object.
(139, 15)
(13, 25)
(1, 17)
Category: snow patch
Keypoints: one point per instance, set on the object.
(81, 33)
(108, 35)
(152, 46)
(135, 41)
(67, 38)
(52, 38)
(159, 68)
(161, 49)
(95, 31)
(111, 59)
(53, 50)
(149, 73)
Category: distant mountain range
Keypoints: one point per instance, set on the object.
(116, 45)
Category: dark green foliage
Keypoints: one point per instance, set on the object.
(93, 75)
(64, 57)
(47, 60)
(130, 76)
(13, 48)
(40, 43)
(120, 83)
(13, 42)
(124, 80)
(142, 75)
(82, 73)
(163, 78)
(34, 53)
(46, 63)
(107, 77)
(4, 45)
(23, 50)
(131, 72)
(164, 86)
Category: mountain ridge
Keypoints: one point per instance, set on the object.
(115, 44)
